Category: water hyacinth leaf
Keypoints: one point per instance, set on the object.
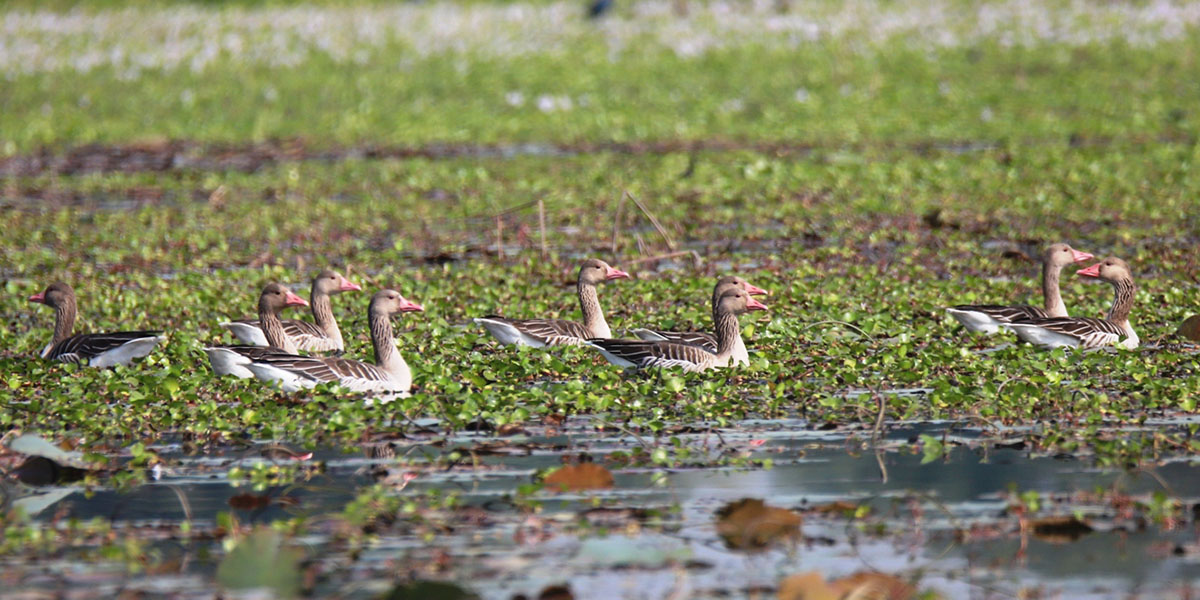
(260, 561)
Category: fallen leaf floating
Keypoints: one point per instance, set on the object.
(1190, 328)
(577, 478)
(1060, 530)
(553, 592)
(749, 524)
(429, 590)
(859, 586)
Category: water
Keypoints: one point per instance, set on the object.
(945, 524)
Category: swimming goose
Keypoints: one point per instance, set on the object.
(232, 360)
(642, 353)
(990, 318)
(389, 375)
(98, 349)
(1084, 332)
(704, 339)
(322, 335)
(557, 332)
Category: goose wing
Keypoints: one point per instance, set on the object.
(84, 346)
(643, 354)
(701, 339)
(1004, 314)
(307, 336)
(552, 332)
(1091, 333)
(319, 369)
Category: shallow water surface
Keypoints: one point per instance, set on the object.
(947, 524)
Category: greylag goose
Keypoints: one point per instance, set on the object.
(990, 318)
(704, 339)
(389, 375)
(558, 332)
(1084, 332)
(232, 360)
(322, 335)
(642, 353)
(98, 349)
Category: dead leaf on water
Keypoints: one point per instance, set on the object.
(575, 478)
(859, 586)
(1190, 328)
(873, 586)
(749, 524)
(553, 592)
(807, 586)
(1060, 530)
(249, 501)
(429, 590)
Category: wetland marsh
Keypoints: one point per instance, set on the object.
(868, 164)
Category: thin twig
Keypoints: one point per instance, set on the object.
(879, 419)
(653, 220)
(617, 223)
(542, 225)
(695, 256)
(843, 323)
(499, 237)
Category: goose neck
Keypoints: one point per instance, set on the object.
(593, 315)
(322, 311)
(64, 319)
(1051, 295)
(268, 321)
(386, 355)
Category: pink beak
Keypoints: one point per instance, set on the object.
(293, 300)
(1092, 271)
(753, 304)
(407, 305)
(1081, 256)
(615, 274)
(754, 290)
(348, 286)
(38, 297)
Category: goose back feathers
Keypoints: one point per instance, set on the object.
(991, 318)
(1086, 332)
(558, 332)
(643, 354)
(95, 349)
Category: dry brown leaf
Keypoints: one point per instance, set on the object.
(1190, 328)
(838, 507)
(574, 478)
(872, 586)
(1060, 530)
(806, 586)
(749, 524)
(249, 501)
